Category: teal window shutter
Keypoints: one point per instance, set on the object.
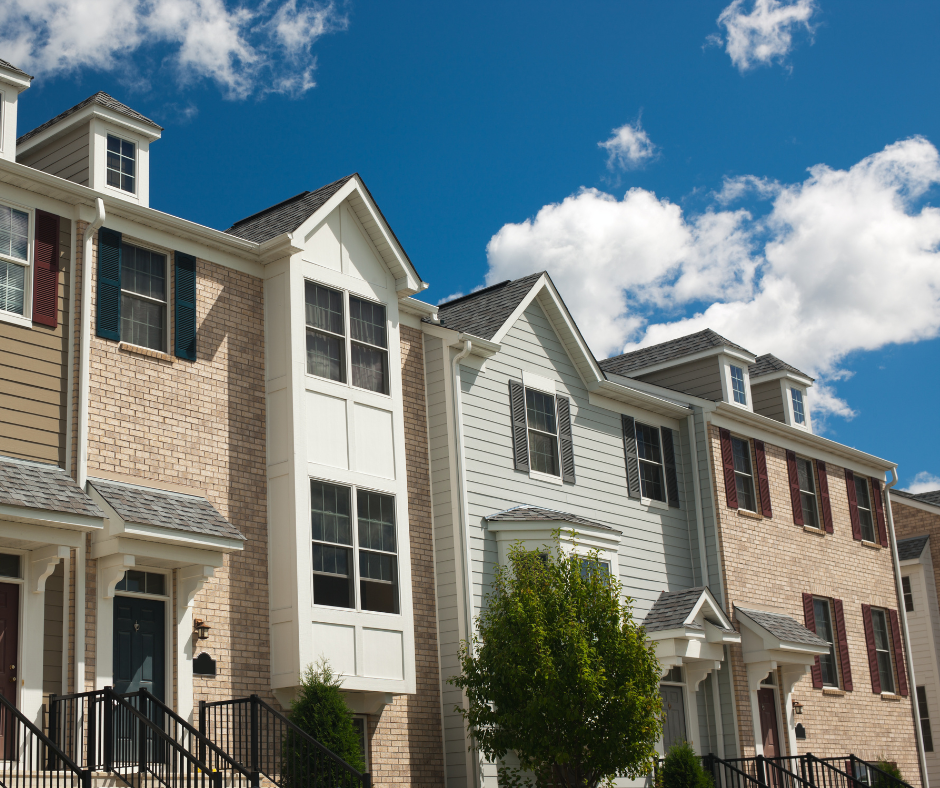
(185, 288)
(108, 324)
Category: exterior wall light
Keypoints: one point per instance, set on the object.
(201, 629)
(797, 707)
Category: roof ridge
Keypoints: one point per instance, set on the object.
(474, 293)
(121, 108)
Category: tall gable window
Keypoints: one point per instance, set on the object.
(799, 415)
(883, 649)
(122, 164)
(908, 594)
(14, 259)
(863, 501)
(743, 474)
(804, 470)
(737, 385)
(143, 297)
(543, 432)
(650, 456)
(369, 345)
(326, 332)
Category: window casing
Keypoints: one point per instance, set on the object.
(879, 622)
(143, 297)
(907, 593)
(738, 389)
(14, 260)
(138, 582)
(863, 501)
(744, 474)
(829, 663)
(924, 714)
(326, 332)
(542, 424)
(338, 550)
(650, 454)
(804, 472)
(369, 348)
(122, 164)
(796, 397)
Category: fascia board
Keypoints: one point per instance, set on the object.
(677, 633)
(697, 356)
(714, 634)
(780, 374)
(911, 561)
(520, 308)
(278, 248)
(412, 306)
(319, 216)
(773, 643)
(706, 598)
(177, 555)
(506, 529)
(479, 346)
(43, 532)
(156, 533)
(17, 81)
(46, 517)
(637, 399)
(766, 428)
(670, 395)
(915, 504)
(84, 116)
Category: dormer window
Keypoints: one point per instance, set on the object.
(799, 415)
(122, 163)
(737, 385)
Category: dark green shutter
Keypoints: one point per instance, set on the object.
(669, 460)
(108, 324)
(185, 319)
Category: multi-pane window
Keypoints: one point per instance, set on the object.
(879, 622)
(143, 297)
(14, 257)
(9, 565)
(799, 415)
(326, 332)
(137, 582)
(804, 472)
(743, 474)
(737, 385)
(863, 502)
(369, 345)
(827, 662)
(591, 567)
(122, 160)
(908, 594)
(649, 452)
(924, 719)
(543, 431)
(334, 548)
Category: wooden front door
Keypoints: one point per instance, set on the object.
(9, 667)
(674, 706)
(768, 722)
(139, 646)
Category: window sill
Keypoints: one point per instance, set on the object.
(127, 347)
(654, 503)
(750, 515)
(871, 545)
(834, 691)
(890, 696)
(16, 320)
(810, 530)
(545, 477)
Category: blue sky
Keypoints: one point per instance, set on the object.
(478, 128)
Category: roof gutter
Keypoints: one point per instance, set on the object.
(85, 346)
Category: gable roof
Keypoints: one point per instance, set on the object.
(628, 363)
(484, 312)
(526, 513)
(14, 69)
(102, 99)
(673, 608)
(783, 627)
(768, 364)
(37, 485)
(911, 548)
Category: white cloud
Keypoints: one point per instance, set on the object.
(763, 35)
(923, 482)
(244, 50)
(847, 260)
(628, 147)
(451, 297)
(734, 189)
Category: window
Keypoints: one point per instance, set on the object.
(326, 332)
(591, 567)
(743, 474)
(799, 415)
(9, 565)
(924, 719)
(908, 594)
(137, 582)
(804, 472)
(369, 345)
(14, 259)
(122, 157)
(359, 723)
(543, 432)
(650, 454)
(737, 385)
(827, 662)
(879, 622)
(333, 548)
(143, 297)
(674, 675)
(863, 500)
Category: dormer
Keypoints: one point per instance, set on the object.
(12, 83)
(779, 392)
(100, 143)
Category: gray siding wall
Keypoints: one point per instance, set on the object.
(700, 378)
(768, 400)
(66, 157)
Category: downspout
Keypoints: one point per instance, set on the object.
(85, 349)
(915, 709)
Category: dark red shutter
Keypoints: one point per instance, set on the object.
(898, 652)
(763, 483)
(809, 619)
(46, 270)
(727, 460)
(879, 511)
(824, 495)
(843, 645)
(853, 505)
(872, 656)
(795, 500)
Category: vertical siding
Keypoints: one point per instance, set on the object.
(768, 400)
(66, 157)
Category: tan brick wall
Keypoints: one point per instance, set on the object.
(406, 741)
(771, 562)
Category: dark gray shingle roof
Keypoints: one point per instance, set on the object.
(483, 313)
(932, 497)
(911, 548)
(40, 486)
(147, 506)
(783, 627)
(539, 514)
(767, 364)
(11, 67)
(672, 609)
(636, 360)
(101, 98)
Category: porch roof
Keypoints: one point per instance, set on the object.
(38, 485)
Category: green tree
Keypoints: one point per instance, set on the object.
(682, 768)
(560, 674)
(320, 711)
(891, 777)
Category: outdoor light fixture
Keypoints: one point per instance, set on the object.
(201, 629)
(797, 707)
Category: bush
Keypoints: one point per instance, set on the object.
(320, 711)
(891, 773)
(683, 769)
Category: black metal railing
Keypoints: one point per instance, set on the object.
(28, 757)
(263, 740)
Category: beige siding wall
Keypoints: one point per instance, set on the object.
(771, 562)
(52, 633)
(34, 378)
(700, 378)
(66, 157)
(767, 399)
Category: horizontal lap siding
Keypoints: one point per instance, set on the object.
(66, 157)
(768, 399)
(700, 378)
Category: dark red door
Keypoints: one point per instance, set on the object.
(768, 722)
(9, 634)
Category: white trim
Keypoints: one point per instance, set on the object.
(538, 476)
(85, 349)
(923, 506)
(532, 381)
(26, 319)
(85, 115)
(727, 350)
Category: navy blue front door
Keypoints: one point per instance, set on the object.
(139, 646)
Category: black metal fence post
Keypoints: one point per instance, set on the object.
(255, 739)
(53, 729)
(761, 776)
(107, 707)
(202, 730)
(142, 736)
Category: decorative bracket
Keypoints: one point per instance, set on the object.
(757, 672)
(191, 580)
(111, 571)
(43, 563)
(695, 672)
(791, 675)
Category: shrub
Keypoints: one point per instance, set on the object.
(683, 769)
(891, 774)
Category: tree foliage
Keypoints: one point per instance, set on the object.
(560, 674)
(891, 776)
(682, 768)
